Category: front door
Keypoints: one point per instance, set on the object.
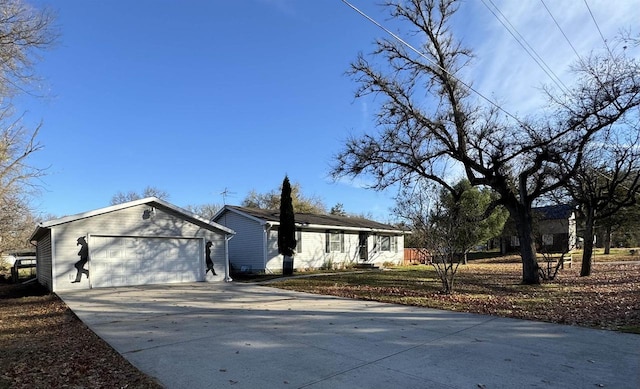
(363, 244)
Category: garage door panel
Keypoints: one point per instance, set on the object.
(122, 261)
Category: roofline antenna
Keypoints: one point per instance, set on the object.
(226, 192)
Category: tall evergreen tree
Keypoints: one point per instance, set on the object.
(287, 230)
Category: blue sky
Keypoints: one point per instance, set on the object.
(195, 97)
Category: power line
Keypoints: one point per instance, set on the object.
(528, 48)
(562, 31)
(396, 37)
(598, 28)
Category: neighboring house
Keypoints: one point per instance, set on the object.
(554, 229)
(147, 241)
(323, 240)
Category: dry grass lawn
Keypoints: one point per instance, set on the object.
(608, 299)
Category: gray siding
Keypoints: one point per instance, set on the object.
(44, 262)
(134, 222)
(246, 249)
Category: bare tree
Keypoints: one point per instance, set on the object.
(607, 181)
(206, 211)
(24, 31)
(440, 237)
(16, 223)
(418, 139)
(149, 191)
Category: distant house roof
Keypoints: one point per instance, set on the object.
(554, 212)
(312, 220)
(152, 201)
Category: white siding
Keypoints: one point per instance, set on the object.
(120, 261)
(246, 249)
(394, 255)
(314, 255)
(133, 221)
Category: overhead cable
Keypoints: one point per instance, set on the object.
(526, 46)
(396, 37)
(606, 45)
(562, 31)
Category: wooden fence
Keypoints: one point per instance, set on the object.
(416, 256)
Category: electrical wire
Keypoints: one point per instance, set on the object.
(396, 37)
(526, 46)
(562, 31)
(598, 28)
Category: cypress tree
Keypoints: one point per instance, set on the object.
(287, 229)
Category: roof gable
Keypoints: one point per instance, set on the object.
(152, 201)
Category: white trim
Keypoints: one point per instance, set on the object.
(147, 200)
(90, 261)
(239, 212)
(54, 279)
(265, 244)
(227, 277)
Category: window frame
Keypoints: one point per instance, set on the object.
(333, 239)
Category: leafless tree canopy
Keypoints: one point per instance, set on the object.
(206, 211)
(24, 32)
(149, 191)
(420, 137)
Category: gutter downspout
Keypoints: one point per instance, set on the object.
(265, 247)
(227, 277)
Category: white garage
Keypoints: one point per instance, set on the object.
(120, 261)
(142, 242)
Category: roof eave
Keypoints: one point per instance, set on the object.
(134, 203)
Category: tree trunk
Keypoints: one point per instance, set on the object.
(524, 226)
(607, 240)
(287, 265)
(530, 274)
(587, 253)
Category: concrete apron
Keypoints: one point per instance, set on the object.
(216, 335)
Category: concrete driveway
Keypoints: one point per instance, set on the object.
(206, 335)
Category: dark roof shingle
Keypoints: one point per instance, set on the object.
(317, 219)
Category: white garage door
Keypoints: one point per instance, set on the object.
(126, 261)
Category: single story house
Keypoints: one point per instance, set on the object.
(554, 229)
(146, 241)
(323, 240)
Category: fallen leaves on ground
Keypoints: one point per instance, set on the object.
(608, 299)
(44, 345)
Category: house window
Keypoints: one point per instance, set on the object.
(385, 243)
(515, 241)
(547, 239)
(388, 243)
(335, 242)
(298, 241)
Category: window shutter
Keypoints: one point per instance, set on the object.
(342, 241)
(327, 246)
